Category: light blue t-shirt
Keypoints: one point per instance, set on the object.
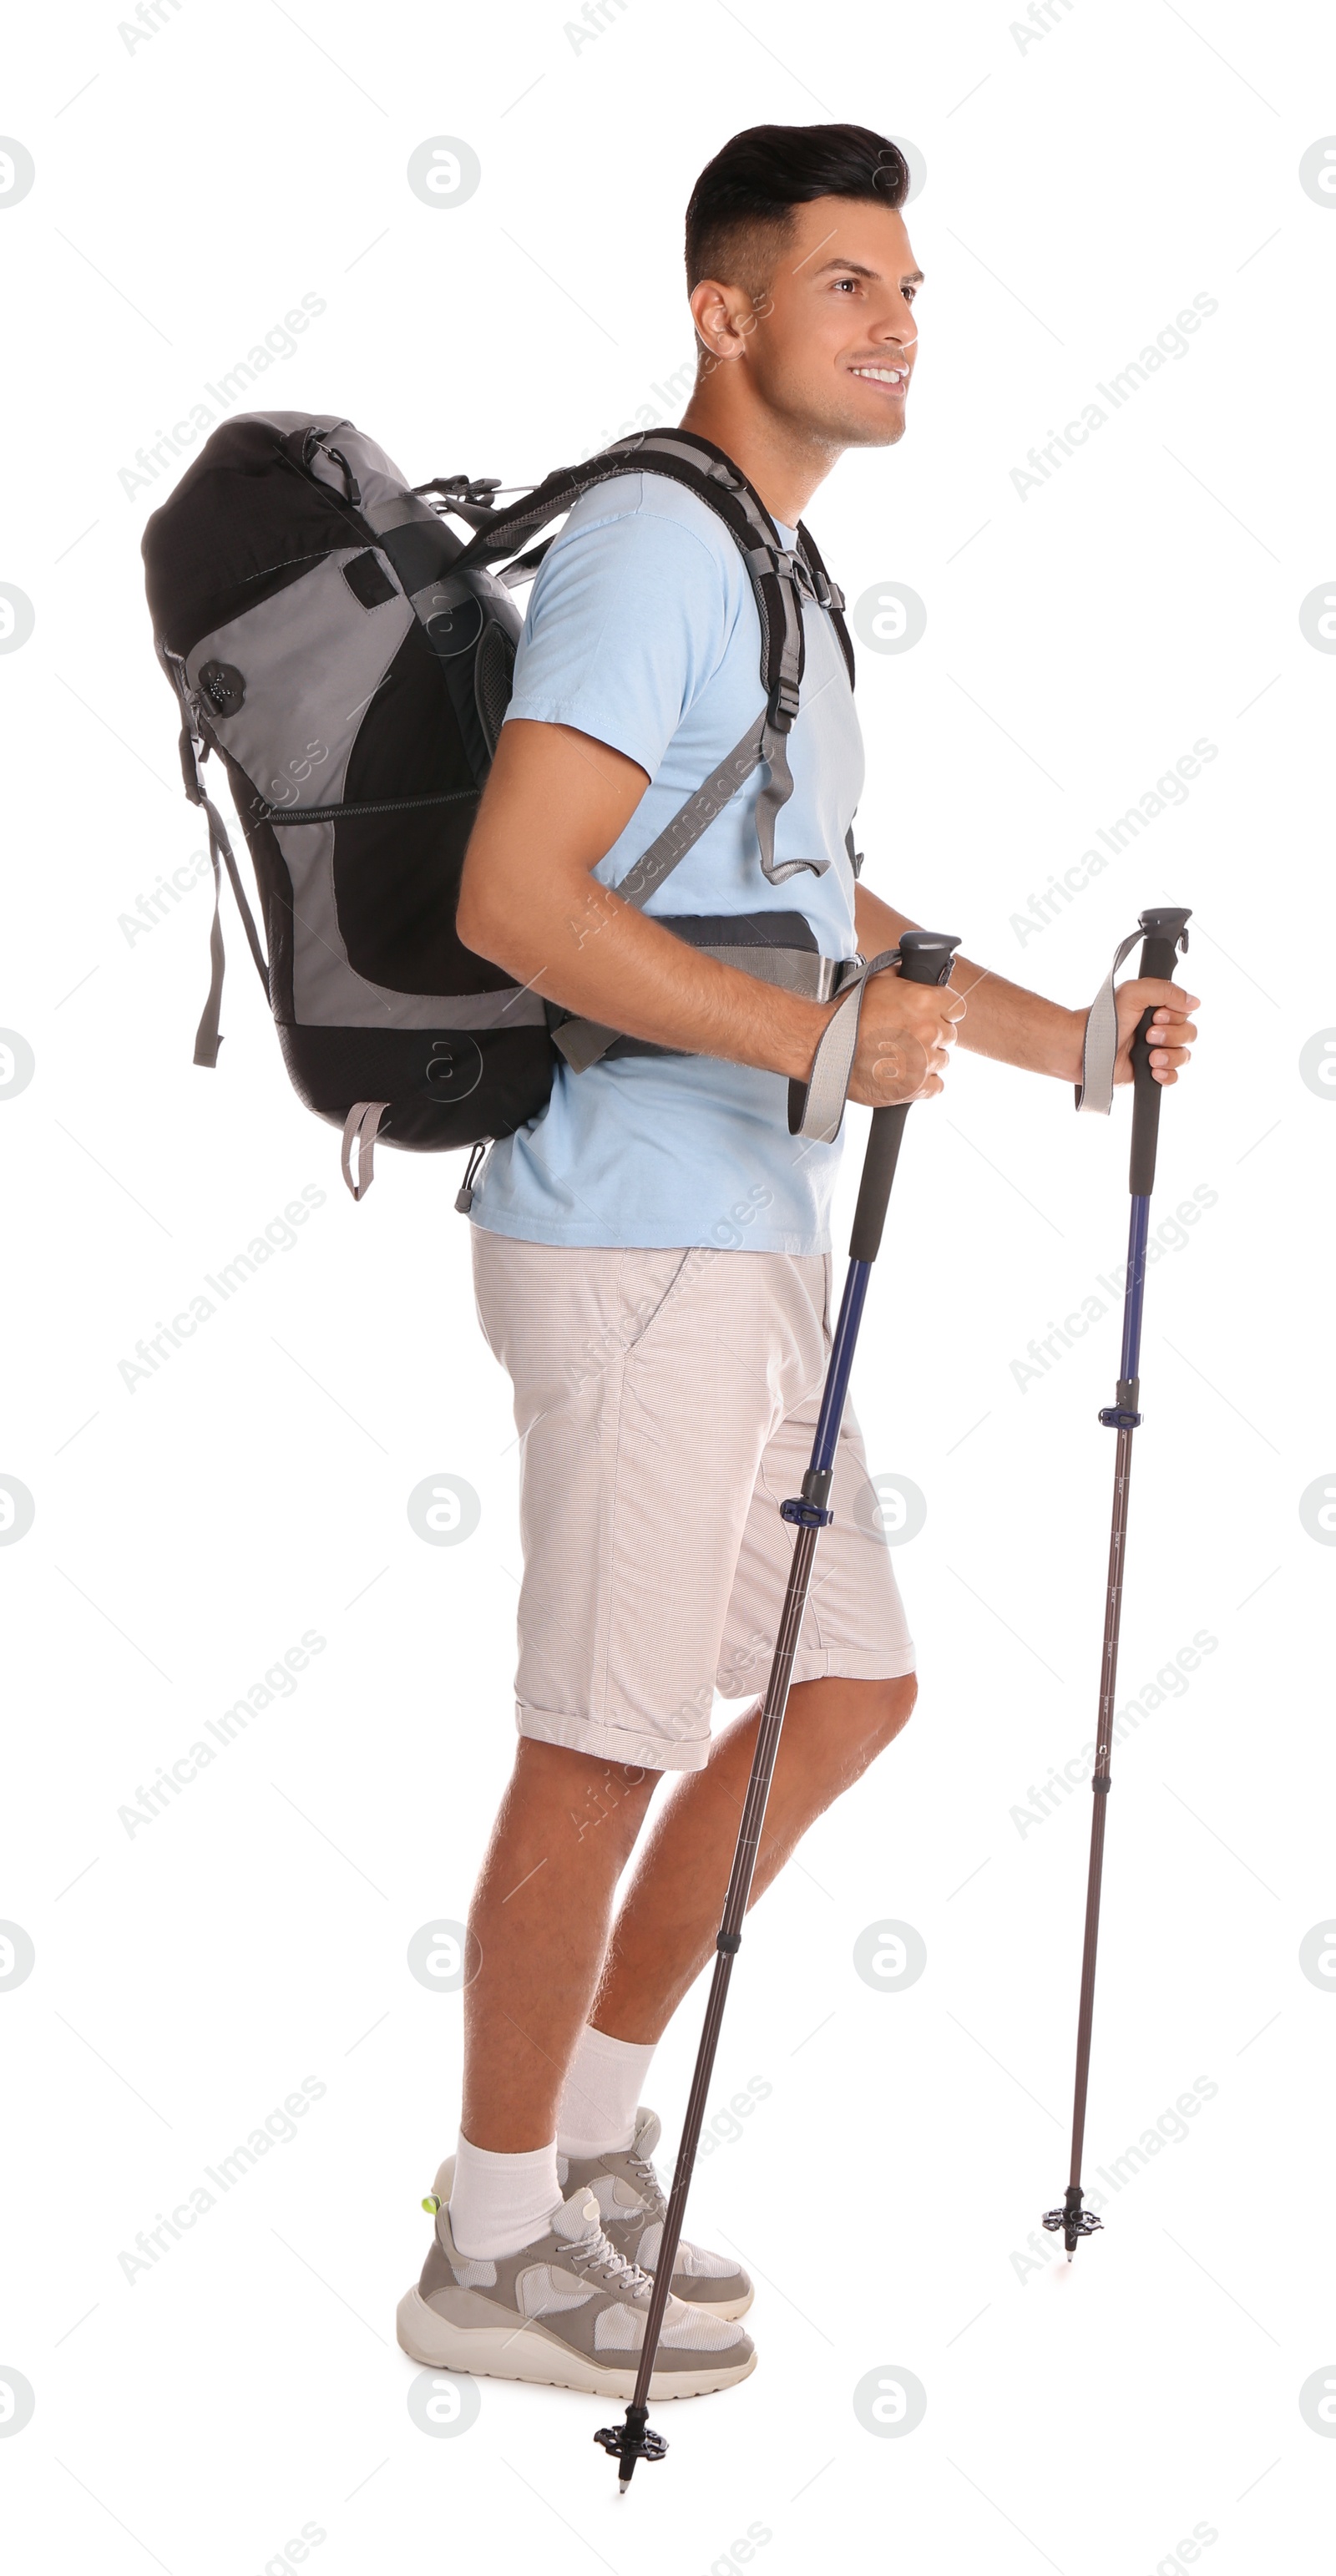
(642, 631)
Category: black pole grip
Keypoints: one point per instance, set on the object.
(1165, 932)
(881, 1154)
(925, 958)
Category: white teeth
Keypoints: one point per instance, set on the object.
(883, 375)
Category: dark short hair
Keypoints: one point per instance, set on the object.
(741, 208)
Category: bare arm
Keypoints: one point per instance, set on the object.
(554, 804)
(1002, 1020)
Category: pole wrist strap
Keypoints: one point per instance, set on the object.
(1100, 1050)
(816, 1107)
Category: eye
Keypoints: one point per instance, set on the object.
(850, 282)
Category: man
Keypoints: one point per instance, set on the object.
(666, 1389)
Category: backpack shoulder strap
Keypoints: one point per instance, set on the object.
(700, 467)
(829, 596)
(780, 576)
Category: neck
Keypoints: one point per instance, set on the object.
(783, 463)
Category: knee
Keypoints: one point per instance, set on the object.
(890, 1705)
(853, 1721)
(583, 1795)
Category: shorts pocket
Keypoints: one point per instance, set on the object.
(648, 1283)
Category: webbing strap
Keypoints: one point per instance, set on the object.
(584, 1042)
(207, 1036)
(793, 970)
(1099, 1051)
(685, 827)
(759, 743)
(774, 751)
(829, 596)
(194, 752)
(816, 1106)
(360, 1130)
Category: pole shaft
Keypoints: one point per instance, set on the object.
(1133, 1296)
(840, 1366)
(735, 1907)
(773, 1706)
(1113, 1606)
(925, 958)
(1165, 933)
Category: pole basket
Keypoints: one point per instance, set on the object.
(1072, 2222)
(626, 2443)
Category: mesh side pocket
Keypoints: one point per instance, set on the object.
(493, 672)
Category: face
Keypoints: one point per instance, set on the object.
(834, 341)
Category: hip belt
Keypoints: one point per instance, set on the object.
(776, 947)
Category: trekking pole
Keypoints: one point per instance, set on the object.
(1165, 932)
(925, 958)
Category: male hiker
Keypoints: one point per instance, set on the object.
(666, 1388)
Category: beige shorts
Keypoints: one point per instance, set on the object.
(666, 1403)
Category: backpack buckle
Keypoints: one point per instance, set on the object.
(791, 566)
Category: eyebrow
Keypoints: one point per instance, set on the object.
(855, 268)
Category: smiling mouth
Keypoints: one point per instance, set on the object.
(892, 380)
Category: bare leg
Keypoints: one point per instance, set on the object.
(540, 1917)
(538, 1929)
(665, 1929)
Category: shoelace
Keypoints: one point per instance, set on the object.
(599, 2250)
(648, 2179)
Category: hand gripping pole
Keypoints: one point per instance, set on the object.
(1163, 933)
(925, 958)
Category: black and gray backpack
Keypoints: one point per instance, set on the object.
(349, 658)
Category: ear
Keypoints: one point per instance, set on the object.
(723, 316)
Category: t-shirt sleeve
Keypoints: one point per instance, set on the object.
(629, 617)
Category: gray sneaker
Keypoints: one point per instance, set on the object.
(568, 2310)
(632, 2206)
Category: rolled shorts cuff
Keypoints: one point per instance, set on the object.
(612, 1743)
(691, 1753)
(848, 1664)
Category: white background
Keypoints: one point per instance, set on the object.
(1080, 191)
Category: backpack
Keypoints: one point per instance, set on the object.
(349, 658)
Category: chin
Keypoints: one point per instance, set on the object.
(873, 433)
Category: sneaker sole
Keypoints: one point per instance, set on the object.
(502, 2352)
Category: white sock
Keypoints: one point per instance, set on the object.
(597, 2112)
(499, 2203)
